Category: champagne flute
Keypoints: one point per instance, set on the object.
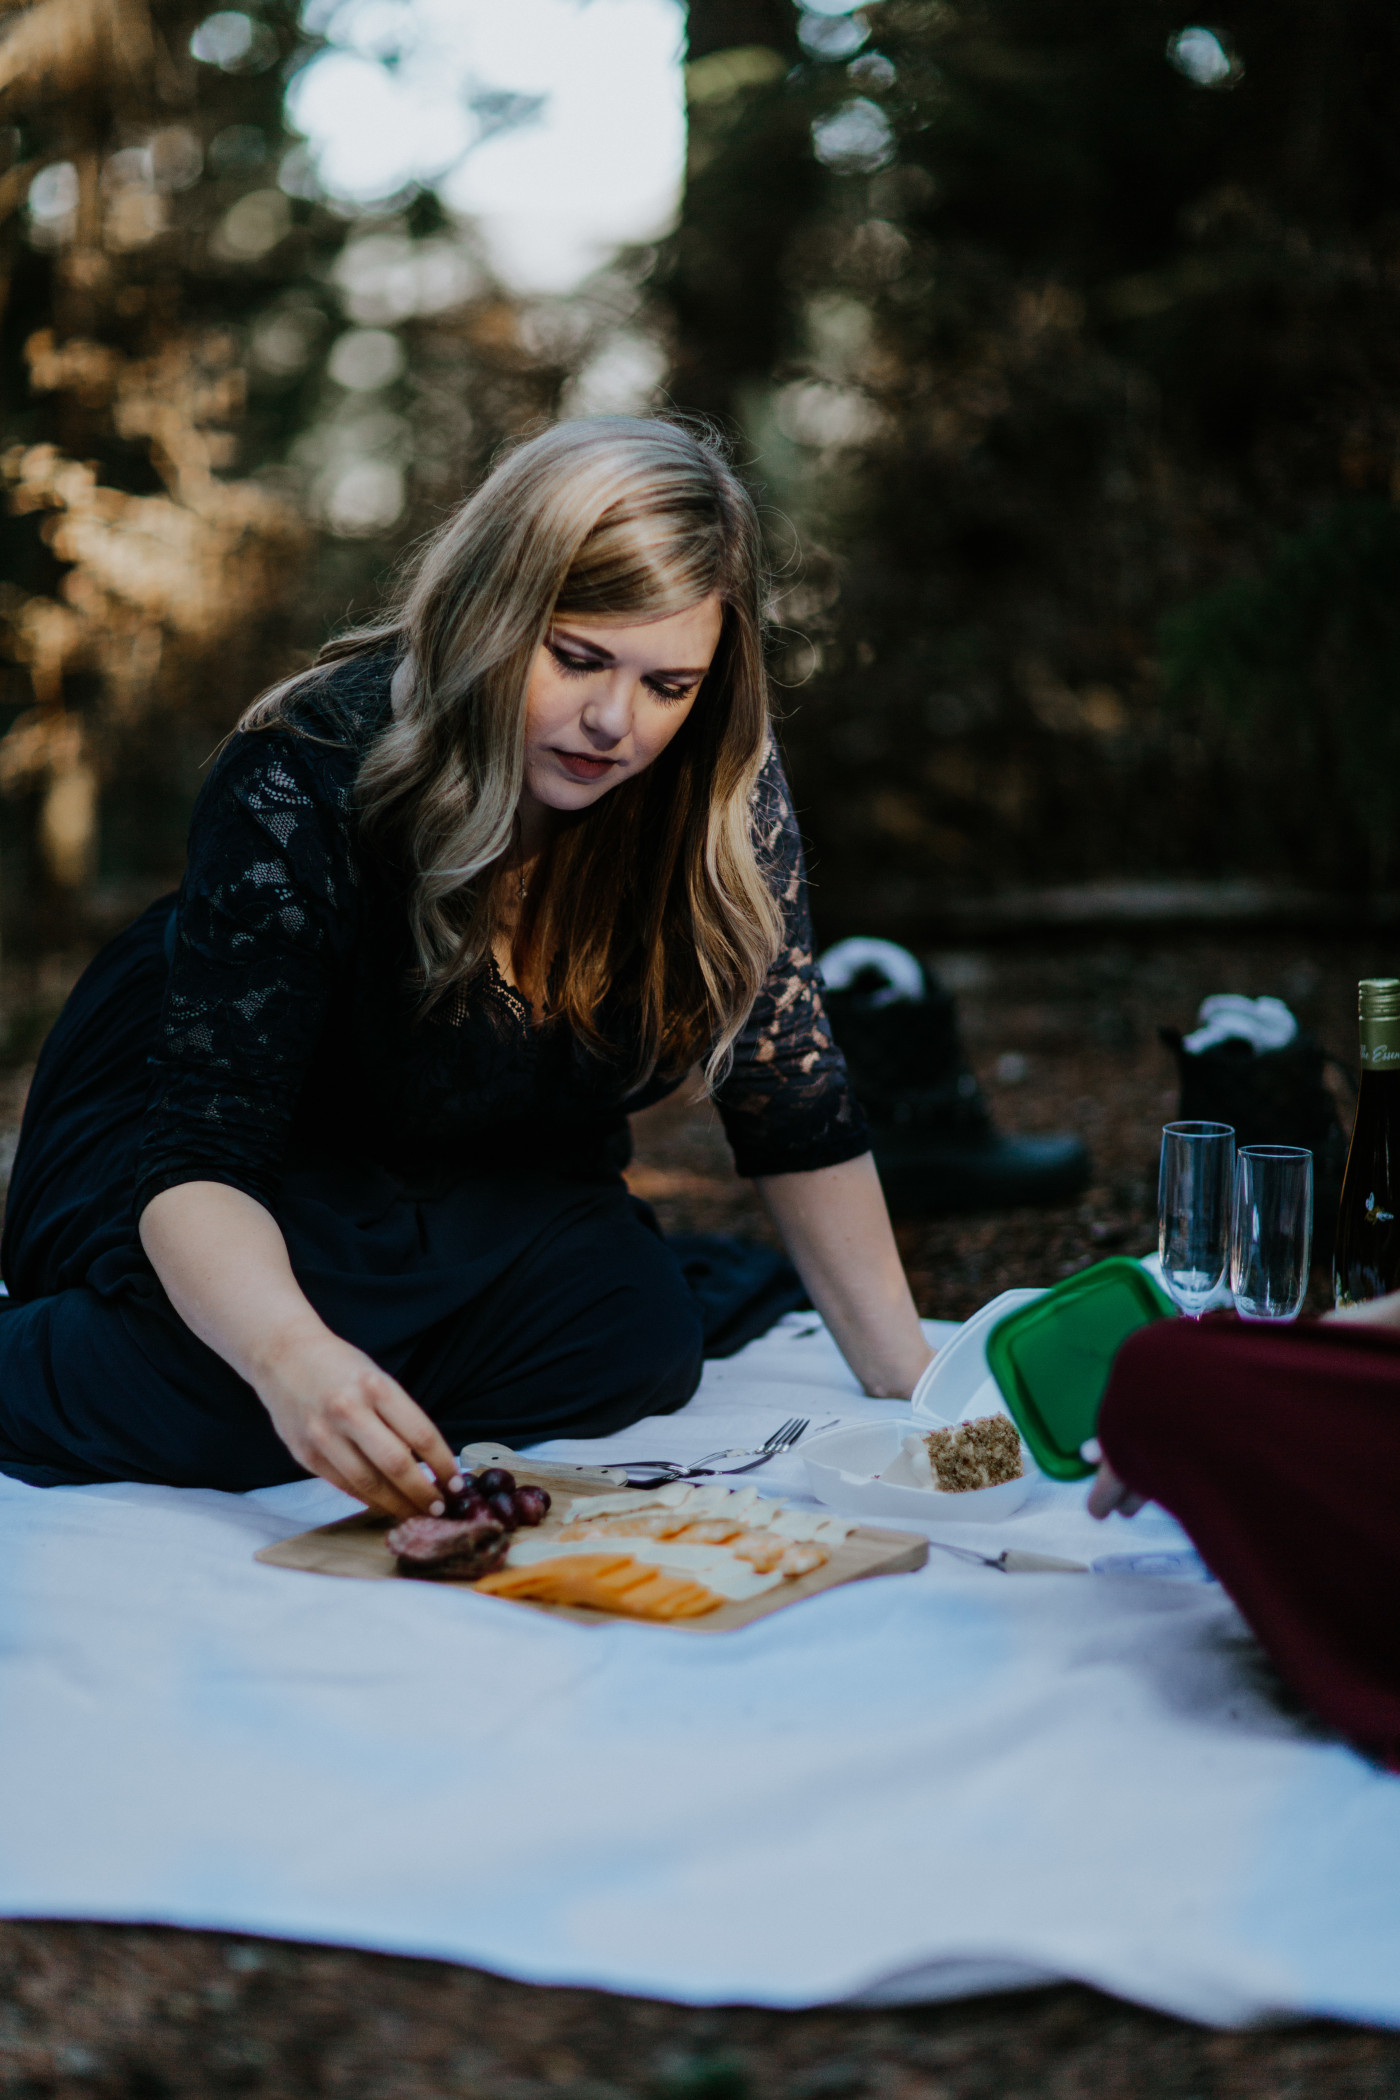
(1193, 1211)
(1271, 1236)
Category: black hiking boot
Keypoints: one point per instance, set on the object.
(931, 1131)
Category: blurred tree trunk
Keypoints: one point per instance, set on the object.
(750, 182)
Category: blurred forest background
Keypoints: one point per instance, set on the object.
(1060, 339)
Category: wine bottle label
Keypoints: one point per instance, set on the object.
(1380, 1043)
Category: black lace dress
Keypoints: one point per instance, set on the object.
(449, 1186)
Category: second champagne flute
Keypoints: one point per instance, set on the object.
(1271, 1240)
(1193, 1211)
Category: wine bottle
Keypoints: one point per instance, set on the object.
(1366, 1263)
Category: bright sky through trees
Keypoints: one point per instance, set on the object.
(558, 124)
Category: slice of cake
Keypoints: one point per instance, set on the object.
(968, 1455)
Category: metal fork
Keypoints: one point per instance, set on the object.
(789, 1432)
(660, 1472)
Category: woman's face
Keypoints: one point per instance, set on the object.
(605, 698)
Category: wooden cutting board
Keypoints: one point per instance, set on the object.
(356, 1546)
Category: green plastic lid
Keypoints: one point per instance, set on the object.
(1052, 1358)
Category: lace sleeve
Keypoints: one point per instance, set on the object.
(267, 906)
(787, 1103)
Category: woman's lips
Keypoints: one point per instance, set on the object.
(583, 768)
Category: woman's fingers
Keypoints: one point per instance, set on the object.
(354, 1426)
(395, 1462)
(377, 1436)
(422, 1436)
(325, 1470)
(361, 1478)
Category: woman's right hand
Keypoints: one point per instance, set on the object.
(350, 1423)
(224, 1264)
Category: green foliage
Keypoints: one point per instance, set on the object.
(1300, 663)
(1080, 342)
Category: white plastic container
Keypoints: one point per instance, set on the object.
(843, 1464)
(957, 1386)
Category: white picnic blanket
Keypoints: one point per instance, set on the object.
(913, 1787)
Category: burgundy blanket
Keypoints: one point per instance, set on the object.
(1278, 1449)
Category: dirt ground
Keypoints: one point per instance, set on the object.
(1063, 1036)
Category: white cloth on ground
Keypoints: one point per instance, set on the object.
(910, 1788)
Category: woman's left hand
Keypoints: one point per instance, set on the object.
(835, 1226)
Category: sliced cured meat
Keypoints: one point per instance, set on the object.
(437, 1547)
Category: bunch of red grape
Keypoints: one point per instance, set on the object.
(473, 1535)
(495, 1490)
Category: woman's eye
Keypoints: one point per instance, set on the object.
(571, 666)
(585, 667)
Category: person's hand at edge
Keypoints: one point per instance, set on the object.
(1374, 1312)
(1109, 1493)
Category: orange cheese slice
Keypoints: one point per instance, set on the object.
(611, 1582)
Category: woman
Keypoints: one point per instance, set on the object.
(320, 1172)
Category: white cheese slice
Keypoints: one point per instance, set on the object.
(737, 1505)
(810, 1525)
(615, 1505)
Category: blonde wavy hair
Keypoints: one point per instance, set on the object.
(654, 900)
